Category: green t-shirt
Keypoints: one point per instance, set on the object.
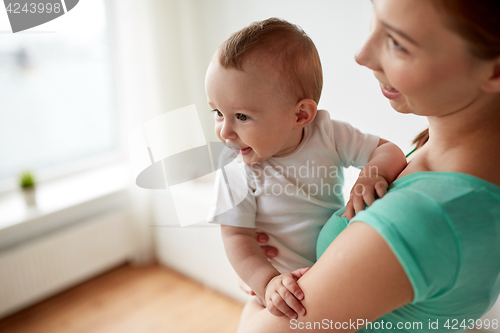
(444, 228)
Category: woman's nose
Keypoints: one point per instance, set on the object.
(368, 55)
(365, 56)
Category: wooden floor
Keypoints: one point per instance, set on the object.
(130, 299)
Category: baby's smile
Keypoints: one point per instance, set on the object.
(236, 148)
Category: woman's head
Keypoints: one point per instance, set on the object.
(433, 57)
(477, 22)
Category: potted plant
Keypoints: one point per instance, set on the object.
(27, 184)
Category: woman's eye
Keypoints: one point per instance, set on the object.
(218, 114)
(242, 117)
(394, 44)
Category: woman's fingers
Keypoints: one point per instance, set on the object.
(269, 251)
(261, 237)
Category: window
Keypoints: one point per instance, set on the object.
(56, 95)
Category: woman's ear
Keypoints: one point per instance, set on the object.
(306, 110)
(492, 85)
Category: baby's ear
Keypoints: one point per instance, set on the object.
(306, 112)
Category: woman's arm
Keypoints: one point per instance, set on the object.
(357, 278)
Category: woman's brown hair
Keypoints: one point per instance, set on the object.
(478, 22)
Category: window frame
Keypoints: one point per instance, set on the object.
(78, 166)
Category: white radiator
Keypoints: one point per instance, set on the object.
(51, 263)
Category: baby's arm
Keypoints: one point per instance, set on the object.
(248, 260)
(383, 167)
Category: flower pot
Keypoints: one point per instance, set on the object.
(29, 195)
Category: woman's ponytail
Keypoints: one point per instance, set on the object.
(421, 139)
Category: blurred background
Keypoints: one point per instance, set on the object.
(72, 91)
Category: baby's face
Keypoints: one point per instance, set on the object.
(251, 111)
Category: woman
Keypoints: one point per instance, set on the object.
(426, 256)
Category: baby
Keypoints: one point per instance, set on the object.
(264, 84)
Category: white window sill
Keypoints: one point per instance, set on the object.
(62, 202)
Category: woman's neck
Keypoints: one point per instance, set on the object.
(464, 142)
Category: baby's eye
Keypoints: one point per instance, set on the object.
(218, 114)
(242, 117)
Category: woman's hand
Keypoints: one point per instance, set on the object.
(283, 295)
(269, 251)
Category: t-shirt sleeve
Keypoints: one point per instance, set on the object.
(353, 146)
(419, 233)
(233, 201)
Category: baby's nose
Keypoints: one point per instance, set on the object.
(227, 132)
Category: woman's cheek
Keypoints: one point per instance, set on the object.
(402, 78)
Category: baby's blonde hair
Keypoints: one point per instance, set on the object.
(287, 46)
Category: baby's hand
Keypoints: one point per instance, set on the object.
(363, 193)
(283, 295)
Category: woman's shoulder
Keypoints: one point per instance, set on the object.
(446, 187)
(446, 199)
